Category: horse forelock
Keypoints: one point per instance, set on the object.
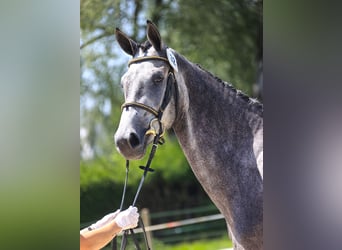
(145, 46)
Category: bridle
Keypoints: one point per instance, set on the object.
(171, 89)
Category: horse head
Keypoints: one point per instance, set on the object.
(149, 92)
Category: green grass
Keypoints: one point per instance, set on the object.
(215, 244)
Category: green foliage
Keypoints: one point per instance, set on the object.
(102, 181)
(169, 161)
(223, 36)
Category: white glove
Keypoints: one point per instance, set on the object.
(128, 219)
(105, 220)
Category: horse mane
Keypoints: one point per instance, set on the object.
(145, 46)
(252, 103)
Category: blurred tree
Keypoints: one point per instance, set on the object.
(224, 36)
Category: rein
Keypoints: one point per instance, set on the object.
(146, 169)
(158, 139)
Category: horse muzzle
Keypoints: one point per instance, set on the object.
(130, 144)
(134, 134)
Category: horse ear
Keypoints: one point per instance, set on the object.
(127, 44)
(153, 35)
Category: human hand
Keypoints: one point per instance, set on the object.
(105, 220)
(128, 219)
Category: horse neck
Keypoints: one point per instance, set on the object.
(220, 132)
(212, 113)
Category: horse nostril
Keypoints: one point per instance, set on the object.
(133, 140)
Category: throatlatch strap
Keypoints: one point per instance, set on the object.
(168, 91)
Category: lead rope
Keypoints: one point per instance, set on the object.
(114, 240)
(125, 185)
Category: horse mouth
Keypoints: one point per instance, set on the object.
(132, 154)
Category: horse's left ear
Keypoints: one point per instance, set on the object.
(126, 43)
(153, 35)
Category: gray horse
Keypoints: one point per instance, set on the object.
(219, 128)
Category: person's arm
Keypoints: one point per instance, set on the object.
(98, 238)
(100, 223)
(105, 229)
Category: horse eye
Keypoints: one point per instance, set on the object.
(157, 80)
